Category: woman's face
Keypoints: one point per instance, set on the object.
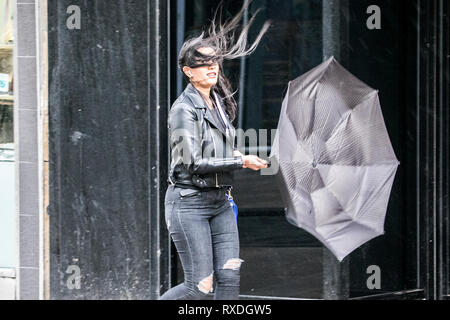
(204, 76)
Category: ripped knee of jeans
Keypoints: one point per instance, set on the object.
(233, 264)
(206, 284)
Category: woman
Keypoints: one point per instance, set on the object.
(199, 217)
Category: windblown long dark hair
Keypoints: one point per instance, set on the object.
(221, 37)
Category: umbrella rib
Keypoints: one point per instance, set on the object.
(342, 139)
(352, 222)
(335, 130)
(362, 102)
(371, 200)
(323, 126)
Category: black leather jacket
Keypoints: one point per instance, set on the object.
(202, 154)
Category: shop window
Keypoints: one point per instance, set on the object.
(303, 32)
(7, 172)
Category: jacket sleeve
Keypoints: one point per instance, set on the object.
(186, 140)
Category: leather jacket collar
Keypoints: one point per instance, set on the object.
(198, 102)
(195, 97)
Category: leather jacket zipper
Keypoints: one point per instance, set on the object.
(215, 153)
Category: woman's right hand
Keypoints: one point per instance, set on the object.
(253, 162)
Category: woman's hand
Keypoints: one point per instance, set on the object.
(254, 162)
(251, 161)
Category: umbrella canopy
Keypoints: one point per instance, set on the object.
(336, 164)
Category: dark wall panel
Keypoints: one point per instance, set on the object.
(99, 150)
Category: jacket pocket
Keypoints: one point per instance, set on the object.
(198, 181)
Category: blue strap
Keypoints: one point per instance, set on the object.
(232, 204)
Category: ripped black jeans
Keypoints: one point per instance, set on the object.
(204, 230)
